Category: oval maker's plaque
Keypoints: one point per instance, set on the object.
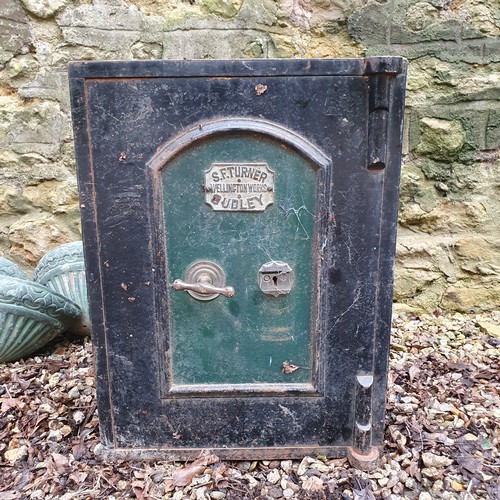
(239, 187)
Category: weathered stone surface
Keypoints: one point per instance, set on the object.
(113, 26)
(491, 329)
(438, 271)
(142, 50)
(38, 127)
(441, 139)
(12, 200)
(19, 70)
(415, 189)
(224, 8)
(421, 15)
(492, 132)
(478, 256)
(35, 234)
(31, 169)
(44, 8)
(419, 29)
(14, 30)
(53, 196)
(50, 84)
(471, 297)
(203, 44)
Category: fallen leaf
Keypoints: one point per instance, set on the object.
(413, 372)
(218, 472)
(183, 476)
(470, 464)
(288, 368)
(312, 484)
(361, 489)
(9, 403)
(78, 451)
(78, 477)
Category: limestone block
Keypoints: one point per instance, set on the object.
(421, 15)
(416, 189)
(14, 30)
(19, 70)
(440, 139)
(337, 45)
(425, 297)
(479, 256)
(423, 29)
(142, 50)
(417, 78)
(110, 26)
(44, 8)
(12, 200)
(38, 127)
(467, 297)
(370, 25)
(284, 46)
(483, 17)
(31, 169)
(258, 12)
(410, 283)
(50, 83)
(492, 329)
(478, 86)
(213, 44)
(224, 8)
(417, 29)
(436, 170)
(324, 11)
(493, 129)
(35, 234)
(449, 216)
(55, 197)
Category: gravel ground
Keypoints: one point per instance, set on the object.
(442, 437)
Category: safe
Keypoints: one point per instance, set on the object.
(239, 222)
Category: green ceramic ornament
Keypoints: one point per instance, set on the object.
(63, 271)
(31, 315)
(8, 268)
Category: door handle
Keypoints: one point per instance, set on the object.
(203, 288)
(204, 280)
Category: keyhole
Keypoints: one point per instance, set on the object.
(275, 280)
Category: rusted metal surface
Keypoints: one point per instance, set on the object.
(255, 453)
(363, 461)
(256, 374)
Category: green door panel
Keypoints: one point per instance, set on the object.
(244, 339)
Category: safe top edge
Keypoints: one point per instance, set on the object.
(238, 68)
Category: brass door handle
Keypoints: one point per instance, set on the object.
(203, 288)
(204, 280)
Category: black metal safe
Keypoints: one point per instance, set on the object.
(239, 222)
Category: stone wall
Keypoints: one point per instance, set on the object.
(448, 244)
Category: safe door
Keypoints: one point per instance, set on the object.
(239, 224)
(239, 212)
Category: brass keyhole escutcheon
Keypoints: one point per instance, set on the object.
(204, 280)
(275, 278)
